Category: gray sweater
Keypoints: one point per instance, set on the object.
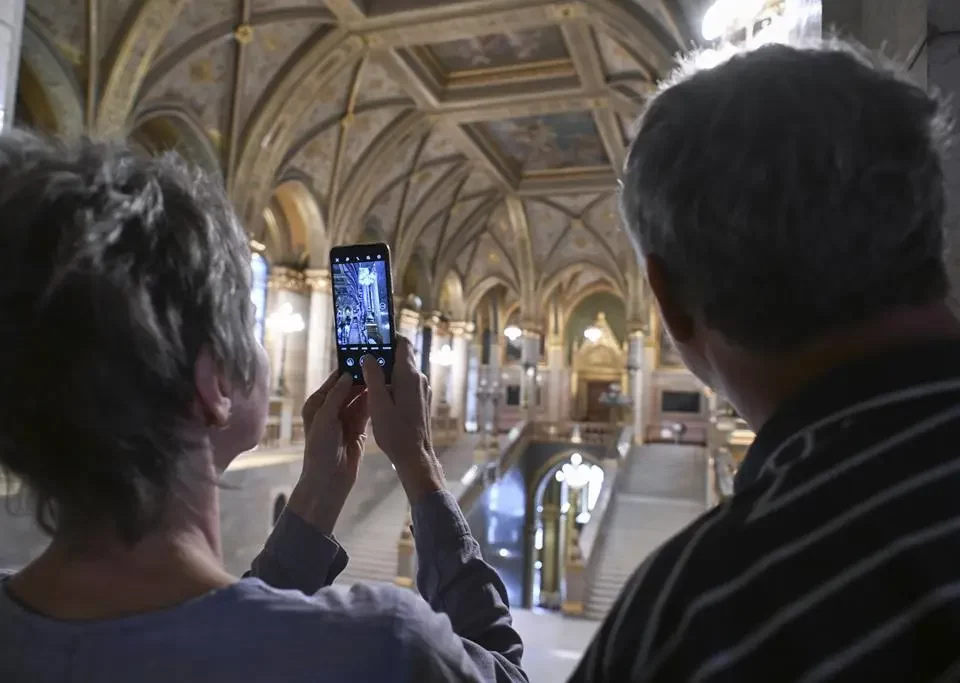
(284, 622)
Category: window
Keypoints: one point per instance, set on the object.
(258, 292)
(513, 395)
(680, 402)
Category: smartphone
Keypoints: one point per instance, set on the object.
(363, 307)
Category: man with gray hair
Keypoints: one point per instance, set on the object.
(788, 204)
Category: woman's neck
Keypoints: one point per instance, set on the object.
(102, 578)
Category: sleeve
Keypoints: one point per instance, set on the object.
(469, 595)
(296, 556)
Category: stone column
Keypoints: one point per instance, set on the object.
(11, 30)
(530, 357)
(287, 286)
(636, 367)
(319, 329)
(408, 326)
(462, 335)
(471, 407)
(556, 391)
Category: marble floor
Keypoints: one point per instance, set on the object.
(553, 644)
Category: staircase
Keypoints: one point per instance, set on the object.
(661, 491)
(371, 543)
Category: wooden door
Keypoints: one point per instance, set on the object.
(596, 411)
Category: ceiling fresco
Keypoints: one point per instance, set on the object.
(550, 142)
(500, 50)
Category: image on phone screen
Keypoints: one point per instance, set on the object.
(363, 307)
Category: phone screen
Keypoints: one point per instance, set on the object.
(363, 306)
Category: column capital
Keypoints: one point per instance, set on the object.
(318, 279)
(462, 329)
(287, 279)
(531, 329)
(637, 329)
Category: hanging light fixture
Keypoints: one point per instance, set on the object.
(513, 333)
(443, 357)
(593, 334)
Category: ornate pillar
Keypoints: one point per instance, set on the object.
(287, 352)
(462, 335)
(427, 335)
(636, 368)
(651, 359)
(408, 326)
(556, 393)
(471, 421)
(319, 329)
(11, 30)
(530, 357)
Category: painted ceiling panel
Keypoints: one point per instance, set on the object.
(260, 6)
(616, 58)
(439, 146)
(66, 22)
(363, 131)
(331, 102)
(203, 82)
(317, 157)
(430, 238)
(376, 85)
(384, 211)
(479, 181)
(197, 17)
(267, 53)
(574, 203)
(546, 225)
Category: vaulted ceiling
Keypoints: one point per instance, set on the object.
(477, 136)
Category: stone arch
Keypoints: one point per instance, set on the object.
(480, 290)
(305, 224)
(169, 127)
(451, 300)
(48, 91)
(417, 280)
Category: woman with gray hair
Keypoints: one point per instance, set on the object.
(131, 379)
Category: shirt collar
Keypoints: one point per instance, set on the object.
(846, 386)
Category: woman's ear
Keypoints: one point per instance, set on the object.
(213, 390)
(679, 323)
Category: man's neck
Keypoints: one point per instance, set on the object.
(757, 387)
(99, 577)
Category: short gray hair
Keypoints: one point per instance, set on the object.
(115, 271)
(790, 190)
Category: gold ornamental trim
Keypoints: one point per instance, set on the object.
(288, 280)
(318, 279)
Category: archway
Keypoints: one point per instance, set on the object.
(170, 128)
(564, 493)
(416, 281)
(451, 301)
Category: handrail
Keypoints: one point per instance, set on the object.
(518, 438)
(724, 471)
(611, 466)
(580, 569)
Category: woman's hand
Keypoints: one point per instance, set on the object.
(335, 423)
(401, 421)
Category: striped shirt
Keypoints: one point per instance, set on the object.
(837, 558)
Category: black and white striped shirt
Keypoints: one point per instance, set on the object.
(837, 558)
